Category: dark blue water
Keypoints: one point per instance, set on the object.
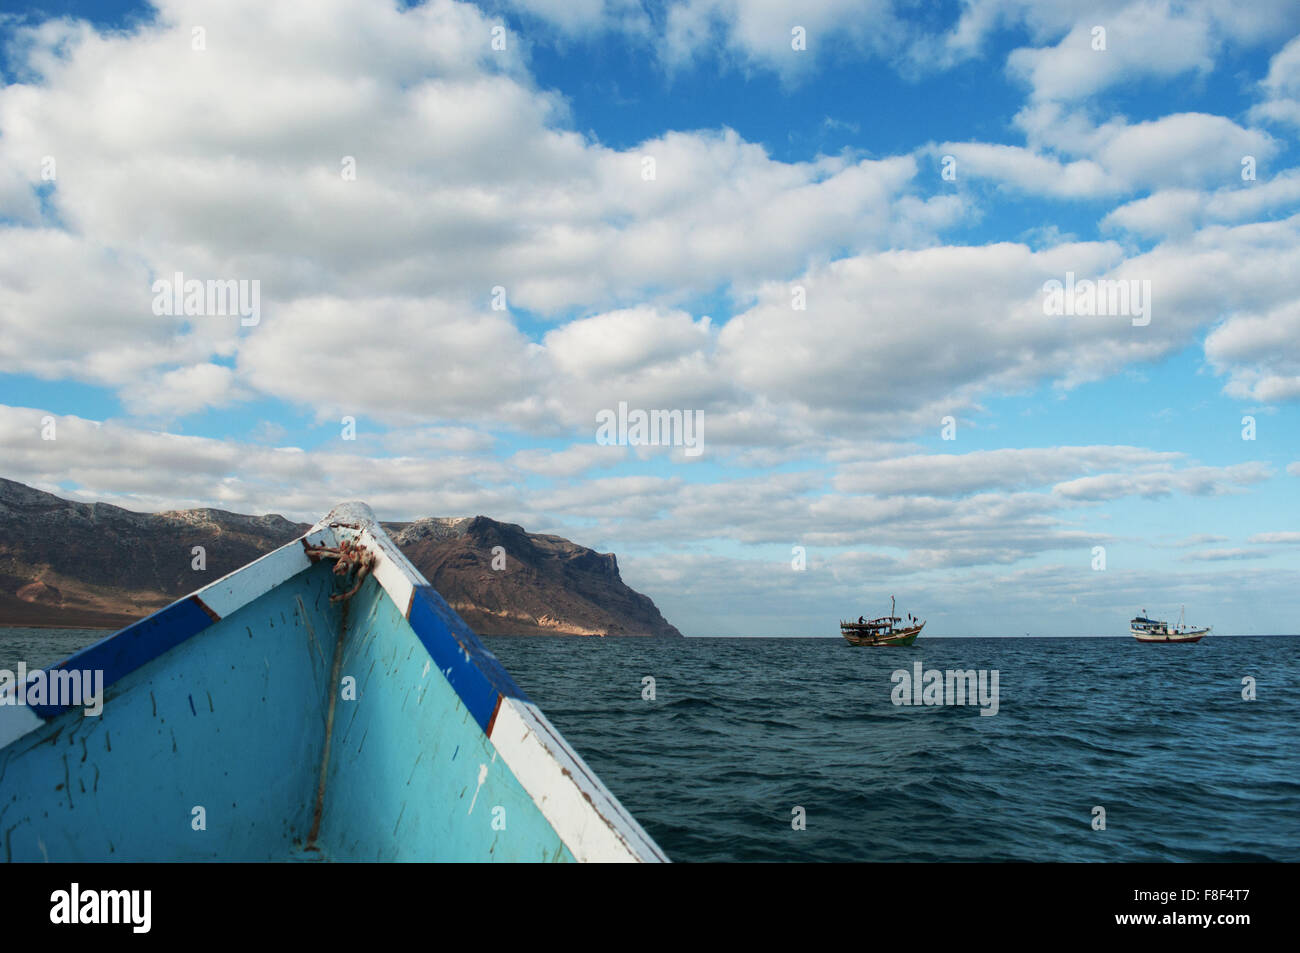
(40, 647)
(743, 731)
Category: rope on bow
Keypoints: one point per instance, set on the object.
(351, 557)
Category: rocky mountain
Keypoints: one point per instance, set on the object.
(540, 585)
(71, 564)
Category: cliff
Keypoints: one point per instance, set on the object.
(72, 564)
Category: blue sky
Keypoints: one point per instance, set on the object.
(1105, 140)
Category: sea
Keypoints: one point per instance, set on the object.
(800, 749)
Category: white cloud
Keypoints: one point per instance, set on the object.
(1178, 212)
(758, 33)
(1145, 39)
(1259, 353)
(182, 391)
(377, 292)
(889, 536)
(1173, 153)
(1200, 539)
(1150, 38)
(571, 461)
(1024, 170)
(1183, 149)
(1167, 212)
(397, 358)
(1285, 537)
(983, 328)
(71, 307)
(1281, 87)
(413, 440)
(1195, 481)
(621, 341)
(466, 179)
(146, 470)
(1215, 555)
(1009, 469)
(466, 173)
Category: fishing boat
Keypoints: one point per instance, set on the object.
(884, 630)
(1153, 630)
(323, 703)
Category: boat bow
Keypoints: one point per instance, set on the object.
(435, 729)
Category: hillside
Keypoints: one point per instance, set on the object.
(64, 563)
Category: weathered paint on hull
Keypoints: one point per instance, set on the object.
(439, 757)
(1176, 639)
(904, 639)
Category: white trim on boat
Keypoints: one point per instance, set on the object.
(589, 819)
(583, 813)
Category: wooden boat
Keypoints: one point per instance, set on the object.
(881, 631)
(1153, 630)
(321, 703)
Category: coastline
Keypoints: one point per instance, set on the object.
(46, 625)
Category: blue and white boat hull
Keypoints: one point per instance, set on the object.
(225, 733)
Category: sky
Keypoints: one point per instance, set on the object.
(840, 234)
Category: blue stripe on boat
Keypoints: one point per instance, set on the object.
(472, 670)
(413, 771)
(136, 645)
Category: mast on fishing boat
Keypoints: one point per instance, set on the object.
(1145, 629)
(881, 631)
